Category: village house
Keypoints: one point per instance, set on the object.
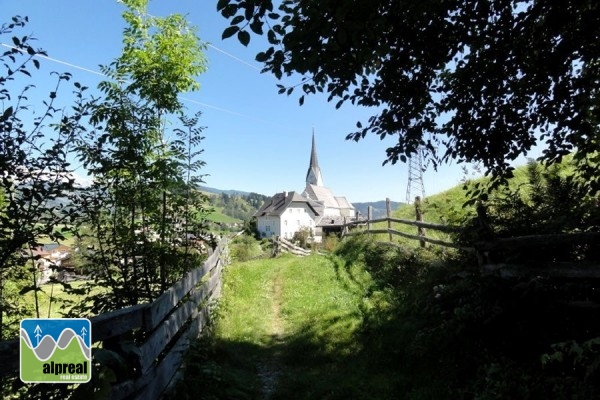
(49, 257)
(286, 213)
(317, 208)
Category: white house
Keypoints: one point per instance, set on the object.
(285, 213)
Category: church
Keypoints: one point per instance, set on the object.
(316, 208)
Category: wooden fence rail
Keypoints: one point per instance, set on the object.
(491, 252)
(282, 244)
(170, 323)
(421, 225)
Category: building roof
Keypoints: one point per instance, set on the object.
(313, 175)
(331, 221)
(343, 202)
(277, 204)
(325, 196)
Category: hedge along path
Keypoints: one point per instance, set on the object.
(291, 324)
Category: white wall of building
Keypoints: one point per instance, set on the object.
(268, 226)
(296, 216)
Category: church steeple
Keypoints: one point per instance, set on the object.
(313, 176)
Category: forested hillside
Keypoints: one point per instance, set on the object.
(239, 207)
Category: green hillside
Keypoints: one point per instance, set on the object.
(536, 200)
(232, 209)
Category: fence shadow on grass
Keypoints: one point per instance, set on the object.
(312, 363)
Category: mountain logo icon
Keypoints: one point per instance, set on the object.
(56, 350)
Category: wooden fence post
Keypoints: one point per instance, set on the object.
(369, 217)
(345, 228)
(388, 207)
(419, 217)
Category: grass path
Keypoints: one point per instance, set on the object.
(269, 369)
(288, 328)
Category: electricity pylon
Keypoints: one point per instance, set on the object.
(415, 176)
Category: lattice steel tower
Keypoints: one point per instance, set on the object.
(415, 185)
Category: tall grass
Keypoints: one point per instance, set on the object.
(288, 328)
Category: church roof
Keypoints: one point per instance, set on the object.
(277, 204)
(313, 175)
(343, 202)
(325, 196)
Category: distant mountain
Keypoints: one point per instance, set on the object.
(379, 207)
(220, 191)
(256, 201)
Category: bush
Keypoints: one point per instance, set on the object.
(303, 237)
(244, 248)
(452, 333)
(331, 242)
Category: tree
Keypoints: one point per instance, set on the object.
(36, 179)
(142, 203)
(471, 81)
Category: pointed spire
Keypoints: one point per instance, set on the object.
(313, 176)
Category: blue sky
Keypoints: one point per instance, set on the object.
(256, 140)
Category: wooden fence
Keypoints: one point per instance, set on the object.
(421, 236)
(282, 245)
(493, 254)
(170, 324)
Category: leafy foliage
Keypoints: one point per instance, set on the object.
(448, 332)
(303, 236)
(244, 248)
(36, 178)
(483, 81)
(143, 209)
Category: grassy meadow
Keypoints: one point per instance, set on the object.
(287, 329)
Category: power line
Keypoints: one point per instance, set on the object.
(182, 98)
(235, 58)
(56, 61)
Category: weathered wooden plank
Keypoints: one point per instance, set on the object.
(415, 237)
(117, 322)
(166, 370)
(167, 330)
(551, 270)
(426, 225)
(540, 240)
(104, 326)
(292, 248)
(128, 388)
(159, 309)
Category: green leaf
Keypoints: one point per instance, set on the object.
(262, 57)
(28, 289)
(244, 37)
(256, 26)
(221, 4)
(236, 20)
(7, 113)
(229, 32)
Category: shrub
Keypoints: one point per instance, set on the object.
(244, 248)
(303, 237)
(331, 242)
